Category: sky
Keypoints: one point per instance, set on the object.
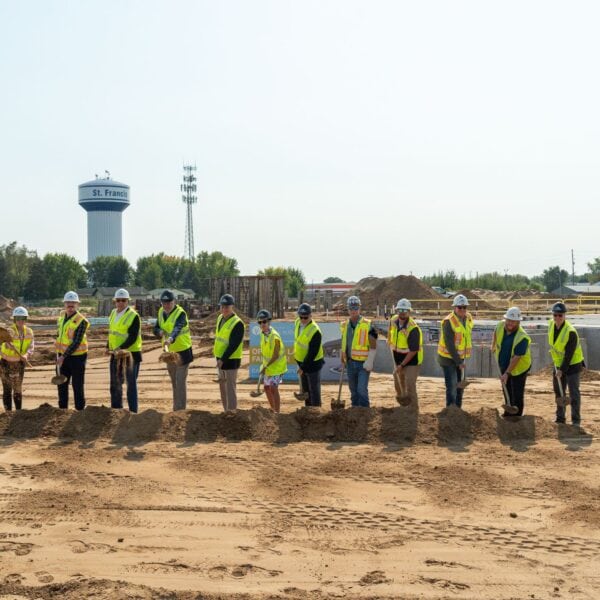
(345, 138)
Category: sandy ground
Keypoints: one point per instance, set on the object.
(381, 503)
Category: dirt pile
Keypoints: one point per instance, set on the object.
(6, 307)
(374, 425)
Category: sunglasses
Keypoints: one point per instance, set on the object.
(558, 315)
(263, 322)
(461, 307)
(20, 318)
(120, 300)
(304, 317)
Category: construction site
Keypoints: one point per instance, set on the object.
(383, 502)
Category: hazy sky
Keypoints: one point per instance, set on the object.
(345, 138)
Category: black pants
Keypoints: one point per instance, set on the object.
(116, 385)
(516, 391)
(73, 368)
(311, 383)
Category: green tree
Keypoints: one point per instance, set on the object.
(554, 277)
(36, 287)
(333, 280)
(16, 263)
(594, 267)
(63, 273)
(294, 278)
(109, 271)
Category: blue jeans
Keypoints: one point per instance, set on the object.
(116, 386)
(358, 381)
(451, 377)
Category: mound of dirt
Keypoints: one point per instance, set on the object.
(367, 425)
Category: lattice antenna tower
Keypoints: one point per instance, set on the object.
(188, 195)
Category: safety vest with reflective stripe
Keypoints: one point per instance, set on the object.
(267, 348)
(525, 360)
(184, 340)
(462, 336)
(21, 344)
(66, 333)
(557, 348)
(398, 337)
(223, 334)
(360, 340)
(119, 330)
(302, 340)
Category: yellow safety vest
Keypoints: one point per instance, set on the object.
(525, 360)
(21, 344)
(267, 347)
(557, 348)
(360, 341)
(302, 340)
(462, 336)
(66, 333)
(398, 337)
(184, 340)
(118, 330)
(223, 334)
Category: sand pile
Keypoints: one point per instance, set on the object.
(374, 425)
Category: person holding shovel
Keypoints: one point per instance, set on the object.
(227, 350)
(173, 328)
(405, 339)
(511, 347)
(308, 354)
(71, 352)
(274, 359)
(15, 353)
(567, 356)
(454, 347)
(125, 349)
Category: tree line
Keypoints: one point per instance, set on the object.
(24, 274)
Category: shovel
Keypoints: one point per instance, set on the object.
(339, 404)
(402, 399)
(58, 379)
(463, 383)
(300, 395)
(563, 400)
(257, 392)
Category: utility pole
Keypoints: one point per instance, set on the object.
(572, 267)
(188, 189)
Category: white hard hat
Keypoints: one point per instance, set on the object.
(20, 311)
(403, 304)
(121, 293)
(460, 300)
(71, 297)
(353, 302)
(513, 314)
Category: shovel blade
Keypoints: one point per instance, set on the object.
(509, 409)
(337, 405)
(461, 385)
(255, 394)
(404, 400)
(58, 380)
(563, 401)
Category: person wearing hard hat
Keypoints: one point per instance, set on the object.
(173, 329)
(274, 359)
(14, 356)
(405, 338)
(71, 351)
(511, 347)
(308, 354)
(359, 345)
(227, 350)
(567, 357)
(124, 335)
(454, 347)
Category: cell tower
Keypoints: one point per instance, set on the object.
(188, 189)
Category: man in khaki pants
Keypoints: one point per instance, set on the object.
(229, 337)
(405, 338)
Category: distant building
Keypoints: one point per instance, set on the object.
(105, 293)
(576, 290)
(311, 290)
(183, 294)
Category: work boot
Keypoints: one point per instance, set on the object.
(18, 401)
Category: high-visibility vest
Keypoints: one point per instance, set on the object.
(360, 341)
(267, 348)
(398, 337)
(223, 334)
(21, 344)
(462, 336)
(557, 348)
(525, 360)
(302, 340)
(118, 330)
(184, 340)
(66, 333)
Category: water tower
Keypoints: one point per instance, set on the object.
(104, 200)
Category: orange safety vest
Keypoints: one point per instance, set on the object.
(462, 336)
